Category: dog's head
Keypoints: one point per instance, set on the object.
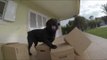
(52, 24)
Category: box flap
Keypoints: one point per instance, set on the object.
(62, 49)
(43, 47)
(78, 40)
(16, 45)
(59, 40)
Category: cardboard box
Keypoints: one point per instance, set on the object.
(78, 40)
(63, 52)
(15, 51)
(59, 40)
(1, 53)
(43, 52)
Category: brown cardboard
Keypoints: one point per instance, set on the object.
(15, 51)
(63, 52)
(59, 40)
(43, 52)
(1, 53)
(78, 40)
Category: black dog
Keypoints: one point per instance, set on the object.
(45, 35)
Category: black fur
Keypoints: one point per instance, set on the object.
(46, 35)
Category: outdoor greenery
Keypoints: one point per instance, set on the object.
(104, 7)
(102, 32)
(81, 23)
(86, 24)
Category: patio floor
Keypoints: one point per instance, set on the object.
(96, 51)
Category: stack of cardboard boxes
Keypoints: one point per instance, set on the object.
(43, 52)
(63, 52)
(74, 43)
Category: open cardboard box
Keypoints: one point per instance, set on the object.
(59, 40)
(63, 52)
(78, 40)
(43, 52)
(15, 51)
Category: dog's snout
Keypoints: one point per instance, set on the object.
(54, 27)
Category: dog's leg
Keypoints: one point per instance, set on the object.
(47, 42)
(29, 46)
(35, 42)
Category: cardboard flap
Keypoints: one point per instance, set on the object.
(62, 50)
(42, 47)
(63, 53)
(59, 40)
(15, 45)
(78, 40)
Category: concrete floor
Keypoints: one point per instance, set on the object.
(96, 51)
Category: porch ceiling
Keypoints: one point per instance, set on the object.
(62, 9)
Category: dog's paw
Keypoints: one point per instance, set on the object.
(30, 54)
(54, 47)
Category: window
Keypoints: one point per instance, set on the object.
(39, 19)
(33, 20)
(8, 10)
(2, 8)
(44, 21)
(36, 20)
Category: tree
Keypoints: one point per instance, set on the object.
(104, 18)
(92, 24)
(98, 21)
(66, 29)
(80, 22)
(91, 17)
(104, 8)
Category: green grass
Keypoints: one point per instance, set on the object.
(102, 32)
